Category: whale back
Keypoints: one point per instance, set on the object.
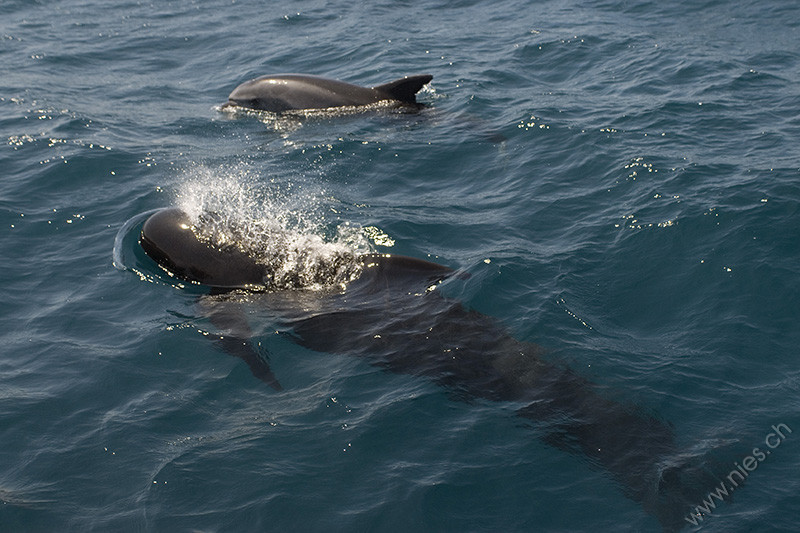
(173, 241)
(287, 92)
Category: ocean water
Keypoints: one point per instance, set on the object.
(617, 182)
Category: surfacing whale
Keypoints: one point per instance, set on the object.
(387, 310)
(294, 92)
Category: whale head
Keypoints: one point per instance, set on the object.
(173, 241)
(213, 251)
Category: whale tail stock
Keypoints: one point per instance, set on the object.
(636, 448)
(405, 89)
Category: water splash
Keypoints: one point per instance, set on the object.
(280, 224)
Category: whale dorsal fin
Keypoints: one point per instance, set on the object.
(405, 89)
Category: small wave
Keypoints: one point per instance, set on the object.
(121, 258)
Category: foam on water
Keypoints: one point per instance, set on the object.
(289, 121)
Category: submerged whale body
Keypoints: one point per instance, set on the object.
(294, 92)
(390, 314)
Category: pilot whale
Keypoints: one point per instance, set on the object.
(294, 92)
(389, 312)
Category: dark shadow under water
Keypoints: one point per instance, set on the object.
(394, 317)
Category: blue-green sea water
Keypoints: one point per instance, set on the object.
(617, 181)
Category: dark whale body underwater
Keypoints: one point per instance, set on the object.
(390, 314)
(294, 92)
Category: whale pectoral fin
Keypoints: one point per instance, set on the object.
(234, 334)
(405, 89)
(258, 363)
